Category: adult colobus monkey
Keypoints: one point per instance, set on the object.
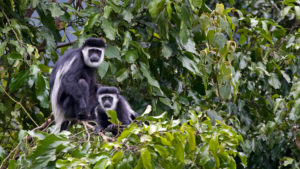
(73, 82)
(109, 98)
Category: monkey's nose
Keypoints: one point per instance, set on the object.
(94, 58)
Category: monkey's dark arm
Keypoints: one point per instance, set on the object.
(79, 90)
(102, 120)
(124, 111)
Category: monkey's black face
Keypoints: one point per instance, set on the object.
(93, 56)
(108, 101)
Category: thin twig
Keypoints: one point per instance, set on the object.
(86, 130)
(45, 124)
(10, 154)
(106, 138)
(65, 44)
(19, 104)
(8, 21)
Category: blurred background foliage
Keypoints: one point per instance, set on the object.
(225, 71)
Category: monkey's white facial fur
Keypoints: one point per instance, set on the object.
(108, 101)
(93, 56)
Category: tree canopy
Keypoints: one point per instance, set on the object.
(216, 83)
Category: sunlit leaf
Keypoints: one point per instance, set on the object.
(146, 158)
(55, 10)
(179, 150)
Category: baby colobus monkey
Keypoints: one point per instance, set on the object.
(73, 82)
(109, 98)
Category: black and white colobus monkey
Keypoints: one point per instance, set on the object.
(73, 82)
(109, 98)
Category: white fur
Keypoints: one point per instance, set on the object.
(57, 110)
(114, 103)
(131, 112)
(85, 52)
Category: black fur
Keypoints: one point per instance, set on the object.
(95, 42)
(78, 85)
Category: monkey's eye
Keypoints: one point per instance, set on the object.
(107, 98)
(95, 52)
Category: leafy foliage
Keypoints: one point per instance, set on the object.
(157, 144)
(221, 71)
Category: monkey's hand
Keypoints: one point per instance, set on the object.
(112, 128)
(98, 129)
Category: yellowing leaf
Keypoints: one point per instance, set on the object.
(220, 8)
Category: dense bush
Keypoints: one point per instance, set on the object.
(223, 75)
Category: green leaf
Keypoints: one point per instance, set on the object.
(139, 164)
(12, 164)
(243, 158)
(219, 40)
(113, 116)
(274, 82)
(191, 139)
(190, 46)
(165, 141)
(122, 75)
(225, 91)
(204, 20)
(34, 3)
(285, 11)
(15, 56)
(190, 65)
(112, 52)
(169, 8)
(131, 56)
(2, 152)
(297, 11)
(117, 157)
(103, 163)
(102, 69)
(48, 21)
(42, 91)
(18, 81)
(109, 30)
(55, 10)
(166, 51)
(196, 3)
(214, 144)
(219, 8)
(287, 161)
(155, 7)
(146, 73)
(146, 158)
(46, 149)
(163, 152)
(179, 150)
(213, 147)
(127, 15)
(91, 21)
(2, 48)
